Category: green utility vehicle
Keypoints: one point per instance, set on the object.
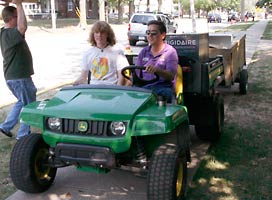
(98, 128)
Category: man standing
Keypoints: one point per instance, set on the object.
(17, 66)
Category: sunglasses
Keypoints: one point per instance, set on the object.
(152, 33)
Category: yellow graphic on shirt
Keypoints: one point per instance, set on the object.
(100, 67)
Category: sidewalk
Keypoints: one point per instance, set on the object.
(118, 185)
(253, 39)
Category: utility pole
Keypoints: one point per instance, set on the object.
(102, 10)
(192, 9)
(53, 15)
(243, 10)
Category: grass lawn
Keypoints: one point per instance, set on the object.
(238, 167)
(268, 33)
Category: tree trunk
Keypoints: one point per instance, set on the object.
(120, 12)
(102, 10)
(148, 5)
(159, 5)
(131, 8)
(95, 10)
(83, 19)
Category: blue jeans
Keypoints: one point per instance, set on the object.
(25, 92)
(166, 92)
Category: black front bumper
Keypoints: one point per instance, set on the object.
(85, 155)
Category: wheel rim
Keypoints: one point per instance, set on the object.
(179, 183)
(41, 170)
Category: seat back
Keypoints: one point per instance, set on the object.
(179, 86)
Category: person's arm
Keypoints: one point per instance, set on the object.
(167, 75)
(21, 18)
(171, 64)
(121, 62)
(82, 79)
(121, 80)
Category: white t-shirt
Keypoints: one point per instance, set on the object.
(104, 64)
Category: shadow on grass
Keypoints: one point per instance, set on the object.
(237, 167)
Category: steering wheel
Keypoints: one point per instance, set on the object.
(138, 80)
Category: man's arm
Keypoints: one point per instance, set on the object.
(21, 18)
(167, 75)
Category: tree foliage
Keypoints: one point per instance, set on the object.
(264, 3)
(205, 5)
(208, 5)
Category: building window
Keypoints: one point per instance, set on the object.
(70, 5)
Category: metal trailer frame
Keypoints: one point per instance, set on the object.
(233, 50)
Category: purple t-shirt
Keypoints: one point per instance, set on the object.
(167, 59)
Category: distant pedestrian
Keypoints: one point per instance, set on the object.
(17, 65)
(265, 14)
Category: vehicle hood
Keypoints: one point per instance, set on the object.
(95, 103)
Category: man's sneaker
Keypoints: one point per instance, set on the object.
(9, 134)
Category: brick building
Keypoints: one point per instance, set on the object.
(64, 8)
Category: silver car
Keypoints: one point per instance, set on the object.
(138, 25)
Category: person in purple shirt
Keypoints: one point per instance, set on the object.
(161, 58)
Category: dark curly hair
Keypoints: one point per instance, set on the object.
(160, 24)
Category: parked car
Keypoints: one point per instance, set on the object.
(214, 17)
(138, 24)
(249, 15)
(234, 16)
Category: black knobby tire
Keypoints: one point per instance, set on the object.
(167, 177)
(243, 82)
(29, 167)
(213, 127)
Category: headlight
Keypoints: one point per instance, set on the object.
(118, 128)
(54, 123)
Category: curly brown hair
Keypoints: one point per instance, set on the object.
(102, 27)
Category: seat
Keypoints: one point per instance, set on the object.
(179, 86)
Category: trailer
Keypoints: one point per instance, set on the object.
(201, 75)
(233, 49)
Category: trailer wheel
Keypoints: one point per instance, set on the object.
(213, 125)
(29, 167)
(167, 177)
(243, 81)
